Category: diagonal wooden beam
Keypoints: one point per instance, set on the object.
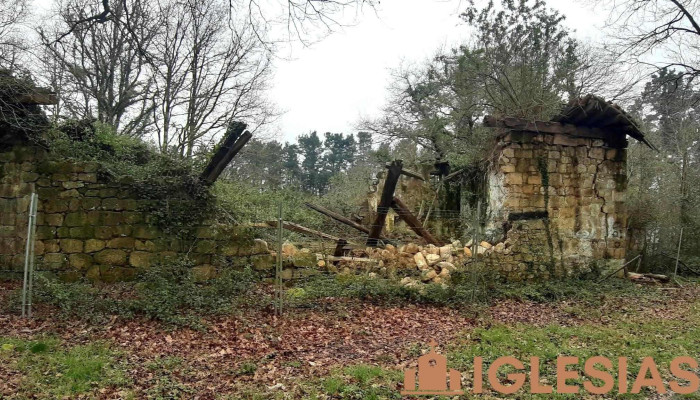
(233, 144)
(413, 222)
(409, 173)
(392, 178)
(290, 226)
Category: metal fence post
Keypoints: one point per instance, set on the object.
(678, 254)
(29, 258)
(475, 246)
(278, 270)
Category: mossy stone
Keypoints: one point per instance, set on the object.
(141, 259)
(93, 245)
(111, 257)
(71, 245)
(80, 261)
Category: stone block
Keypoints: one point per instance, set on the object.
(507, 168)
(141, 259)
(9, 245)
(597, 153)
(104, 232)
(534, 179)
(145, 232)
(55, 205)
(72, 184)
(564, 140)
(109, 192)
(145, 245)
(8, 218)
(263, 262)
(51, 246)
(66, 194)
(90, 203)
(28, 176)
(111, 203)
(54, 260)
(88, 177)
(132, 217)
(63, 232)
(76, 219)
(80, 261)
(111, 218)
(93, 245)
(82, 232)
(71, 245)
(128, 204)
(121, 243)
(53, 219)
(514, 179)
(260, 247)
(111, 257)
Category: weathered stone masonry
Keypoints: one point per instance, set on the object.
(559, 204)
(556, 192)
(94, 227)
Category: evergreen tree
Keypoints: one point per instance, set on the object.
(311, 150)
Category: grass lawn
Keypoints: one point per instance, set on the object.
(345, 348)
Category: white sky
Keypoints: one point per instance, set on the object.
(329, 85)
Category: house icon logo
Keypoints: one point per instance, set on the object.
(432, 376)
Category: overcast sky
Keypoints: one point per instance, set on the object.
(330, 84)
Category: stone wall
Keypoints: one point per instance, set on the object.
(556, 205)
(92, 226)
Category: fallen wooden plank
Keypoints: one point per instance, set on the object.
(413, 222)
(337, 217)
(392, 178)
(643, 277)
(409, 173)
(352, 259)
(290, 226)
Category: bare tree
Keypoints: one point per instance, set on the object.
(207, 73)
(298, 14)
(656, 33)
(12, 14)
(109, 74)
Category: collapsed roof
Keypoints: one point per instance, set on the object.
(594, 112)
(590, 116)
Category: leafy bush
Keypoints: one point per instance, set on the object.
(179, 201)
(167, 292)
(76, 299)
(466, 287)
(170, 292)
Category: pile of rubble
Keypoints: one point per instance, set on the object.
(433, 264)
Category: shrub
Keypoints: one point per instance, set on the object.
(168, 292)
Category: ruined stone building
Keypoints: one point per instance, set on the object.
(556, 191)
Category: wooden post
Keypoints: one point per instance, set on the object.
(339, 249)
(413, 222)
(392, 178)
(231, 146)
